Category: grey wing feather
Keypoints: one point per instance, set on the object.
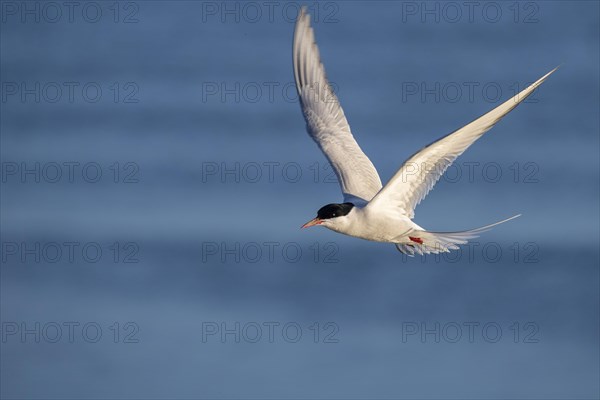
(419, 173)
(325, 119)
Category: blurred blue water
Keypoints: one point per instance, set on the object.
(180, 64)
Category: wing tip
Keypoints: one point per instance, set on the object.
(303, 17)
(543, 78)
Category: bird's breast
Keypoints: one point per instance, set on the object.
(374, 226)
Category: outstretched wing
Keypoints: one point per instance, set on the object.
(419, 173)
(325, 119)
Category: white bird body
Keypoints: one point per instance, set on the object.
(372, 224)
(370, 211)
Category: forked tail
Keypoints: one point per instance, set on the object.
(425, 242)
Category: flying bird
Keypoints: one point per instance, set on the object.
(370, 210)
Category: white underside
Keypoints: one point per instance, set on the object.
(368, 224)
(409, 238)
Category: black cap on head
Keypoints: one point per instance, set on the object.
(334, 210)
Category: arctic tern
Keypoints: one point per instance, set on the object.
(371, 211)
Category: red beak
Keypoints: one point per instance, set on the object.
(312, 222)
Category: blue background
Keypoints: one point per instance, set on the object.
(192, 71)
